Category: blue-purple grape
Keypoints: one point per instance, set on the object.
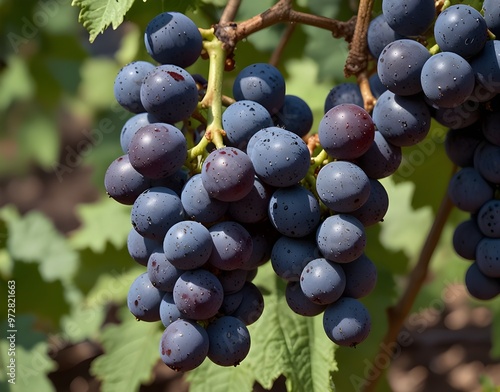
(157, 150)
(491, 12)
(488, 219)
(169, 93)
(299, 303)
(468, 190)
(487, 161)
(173, 38)
(198, 294)
(262, 83)
(295, 116)
(227, 174)
(342, 186)
(486, 66)
(184, 345)
(360, 276)
(346, 92)
(409, 17)
(155, 211)
(461, 143)
(143, 299)
(289, 256)
(229, 341)
(322, 281)
(127, 86)
(294, 211)
(375, 208)
(479, 285)
(187, 245)
(253, 207)
(382, 158)
(341, 238)
(161, 272)
(252, 304)
(466, 236)
(347, 322)
(198, 204)
(123, 183)
(232, 245)
(140, 248)
(169, 312)
(242, 119)
(346, 131)
(132, 125)
(379, 35)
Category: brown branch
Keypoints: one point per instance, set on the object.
(230, 11)
(357, 58)
(366, 91)
(231, 32)
(278, 51)
(398, 313)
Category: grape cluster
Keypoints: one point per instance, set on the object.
(458, 87)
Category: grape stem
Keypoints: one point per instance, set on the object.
(398, 313)
(212, 101)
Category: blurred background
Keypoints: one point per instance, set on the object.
(63, 241)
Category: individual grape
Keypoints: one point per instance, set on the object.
(232, 245)
(262, 83)
(140, 248)
(123, 183)
(242, 119)
(375, 208)
(229, 341)
(173, 38)
(488, 219)
(295, 116)
(161, 272)
(382, 158)
(252, 304)
(132, 125)
(253, 207)
(322, 281)
(184, 345)
(341, 238)
(487, 257)
(409, 17)
(157, 150)
(127, 85)
(299, 303)
(360, 276)
(460, 29)
(468, 191)
(227, 174)
(280, 157)
(379, 35)
(460, 116)
(294, 211)
(347, 322)
(376, 86)
(143, 299)
(487, 162)
(447, 79)
(342, 186)
(346, 131)
(403, 121)
(233, 280)
(491, 127)
(155, 211)
(169, 93)
(169, 312)
(465, 239)
(289, 256)
(400, 64)
(346, 92)
(231, 303)
(198, 294)
(491, 12)
(187, 245)
(479, 285)
(198, 204)
(486, 66)
(460, 144)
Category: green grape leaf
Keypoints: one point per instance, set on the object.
(288, 344)
(130, 352)
(34, 239)
(97, 15)
(16, 82)
(32, 367)
(210, 377)
(103, 222)
(96, 87)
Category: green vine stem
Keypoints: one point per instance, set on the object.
(398, 313)
(212, 101)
